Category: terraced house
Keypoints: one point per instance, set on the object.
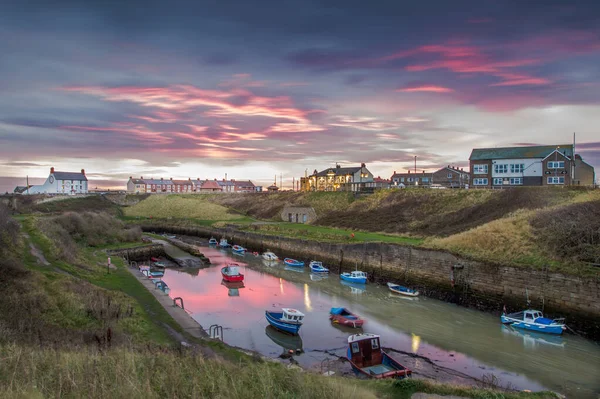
(549, 165)
(355, 178)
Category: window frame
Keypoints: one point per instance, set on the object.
(496, 179)
(480, 169)
(501, 168)
(476, 181)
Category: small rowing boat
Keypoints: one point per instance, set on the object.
(231, 273)
(345, 317)
(367, 358)
(212, 241)
(238, 249)
(402, 290)
(270, 256)
(293, 262)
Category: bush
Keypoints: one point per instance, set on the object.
(571, 232)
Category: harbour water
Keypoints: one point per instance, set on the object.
(434, 338)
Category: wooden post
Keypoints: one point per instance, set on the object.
(341, 261)
(108, 265)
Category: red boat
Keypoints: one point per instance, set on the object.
(344, 317)
(153, 259)
(367, 358)
(231, 273)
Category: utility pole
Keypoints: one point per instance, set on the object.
(27, 185)
(281, 181)
(574, 162)
(294, 183)
(415, 164)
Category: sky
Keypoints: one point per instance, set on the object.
(179, 89)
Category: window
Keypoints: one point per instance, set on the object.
(517, 167)
(556, 180)
(402, 179)
(556, 164)
(498, 181)
(355, 348)
(480, 182)
(374, 343)
(409, 179)
(480, 169)
(425, 179)
(516, 181)
(501, 168)
(449, 175)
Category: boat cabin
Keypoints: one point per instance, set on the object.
(365, 350)
(292, 315)
(357, 274)
(232, 270)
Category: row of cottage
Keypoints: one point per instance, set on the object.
(552, 165)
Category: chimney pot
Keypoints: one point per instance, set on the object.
(130, 177)
(142, 177)
(52, 169)
(83, 172)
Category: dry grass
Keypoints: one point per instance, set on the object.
(157, 374)
(179, 207)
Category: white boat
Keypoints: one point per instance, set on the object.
(355, 277)
(317, 267)
(402, 290)
(534, 320)
(269, 256)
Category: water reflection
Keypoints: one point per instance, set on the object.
(532, 339)
(462, 339)
(288, 342)
(354, 288)
(294, 269)
(233, 287)
(318, 277)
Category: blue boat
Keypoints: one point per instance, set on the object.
(157, 274)
(317, 267)
(355, 277)
(288, 320)
(161, 285)
(293, 262)
(534, 320)
(213, 241)
(238, 250)
(402, 290)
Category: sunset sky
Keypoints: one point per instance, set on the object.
(257, 88)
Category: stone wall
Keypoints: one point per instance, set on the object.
(139, 253)
(439, 274)
(298, 212)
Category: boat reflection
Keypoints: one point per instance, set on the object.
(233, 287)
(269, 263)
(355, 288)
(318, 277)
(532, 339)
(287, 342)
(405, 298)
(294, 269)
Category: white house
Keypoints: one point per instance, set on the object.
(62, 183)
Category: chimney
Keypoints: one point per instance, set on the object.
(161, 179)
(130, 177)
(448, 166)
(409, 171)
(142, 178)
(83, 172)
(52, 170)
(394, 172)
(423, 172)
(363, 165)
(337, 165)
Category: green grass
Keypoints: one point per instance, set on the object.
(179, 207)
(331, 234)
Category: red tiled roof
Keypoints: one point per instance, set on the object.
(210, 184)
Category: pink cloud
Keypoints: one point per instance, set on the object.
(363, 123)
(139, 131)
(426, 88)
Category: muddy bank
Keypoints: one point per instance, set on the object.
(438, 274)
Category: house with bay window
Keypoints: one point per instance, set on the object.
(550, 165)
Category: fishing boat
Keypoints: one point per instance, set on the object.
(223, 243)
(367, 358)
(143, 267)
(270, 256)
(288, 320)
(148, 274)
(159, 264)
(157, 274)
(231, 273)
(213, 241)
(356, 276)
(238, 249)
(293, 262)
(402, 290)
(345, 317)
(317, 267)
(533, 320)
(289, 343)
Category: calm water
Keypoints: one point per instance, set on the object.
(470, 342)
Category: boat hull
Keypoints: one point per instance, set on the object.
(344, 321)
(398, 289)
(556, 329)
(321, 270)
(274, 319)
(389, 368)
(293, 263)
(231, 278)
(355, 280)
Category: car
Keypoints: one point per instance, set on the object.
(438, 186)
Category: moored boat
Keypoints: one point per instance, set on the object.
(212, 241)
(223, 243)
(293, 262)
(288, 320)
(402, 290)
(270, 256)
(161, 285)
(345, 317)
(238, 249)
(356, 276)
(157, 274)
(317, 267)
(231, 273)
(367, 358)
(534, 320)
(159, 264)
